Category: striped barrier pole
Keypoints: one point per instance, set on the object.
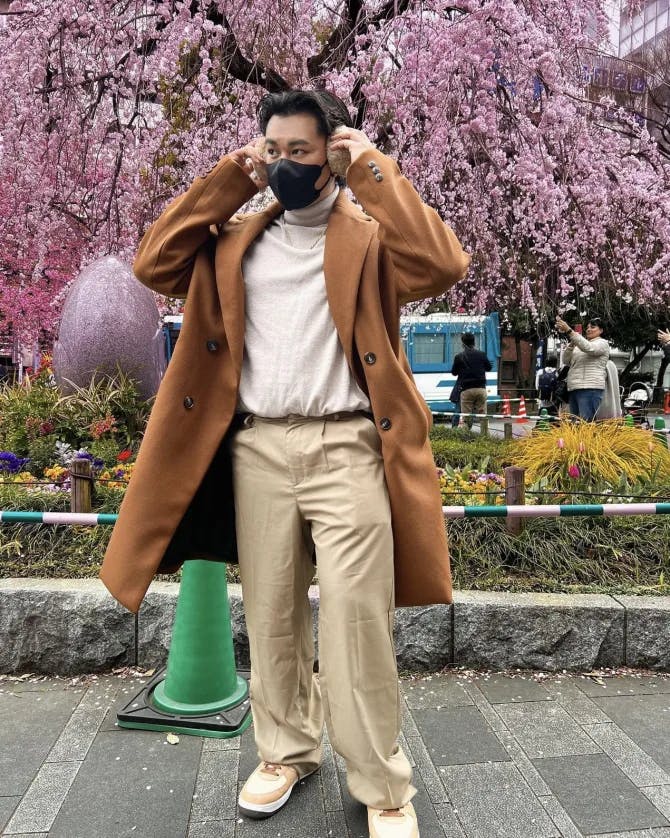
(569, 510)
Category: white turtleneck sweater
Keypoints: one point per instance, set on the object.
(293, 360)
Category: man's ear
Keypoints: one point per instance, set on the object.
(339, 159)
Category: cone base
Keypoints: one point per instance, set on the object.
(141, 714)
(170, 705)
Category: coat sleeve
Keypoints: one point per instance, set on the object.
(426, 255)
(165, 258)
(594, 348)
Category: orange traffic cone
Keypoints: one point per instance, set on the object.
(507, 407)
(522, 416)
(666, 403)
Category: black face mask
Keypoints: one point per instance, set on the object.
(294, 184)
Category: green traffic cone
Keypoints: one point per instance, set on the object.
(543, 423)
(201, 692)
(659, 431)
(628, 421)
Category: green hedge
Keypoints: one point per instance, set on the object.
(569, 554)
(458, 447)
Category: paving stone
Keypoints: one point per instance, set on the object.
(30, 723)
(501, 689)
(559, 817)
(660, 797)
(493, 801)
(212, 829)
(230, 744)
(597, 795)
(337, 825)
(486, 709)
(449, 821)
(39, 683)
(638, 833)
(38, 809)
(149, 783)
(457, 736)
(435, 692)
(647, 631)
(499, 630)
(7, 806)
(418, 756)
(78, 735)
(248, 754)
(606, 685)
(646, 719)
(329, 782)
(545, 730)
(523, 763)
(631, 759)
(215, 797)
(584, 711)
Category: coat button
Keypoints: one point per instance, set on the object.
(212, 345)
(376, 170)
(385, 423)
(379, 177)
(188, 402)
(370, 358)
(372, 164)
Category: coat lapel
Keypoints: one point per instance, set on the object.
(347, 241)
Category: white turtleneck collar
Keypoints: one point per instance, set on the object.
(315, 214)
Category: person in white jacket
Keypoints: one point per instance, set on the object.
(587, 358)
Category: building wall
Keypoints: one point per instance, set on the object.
(643, 28)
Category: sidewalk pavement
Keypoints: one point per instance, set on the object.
(515, 755)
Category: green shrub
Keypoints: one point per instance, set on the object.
(42, 453)
(458, 447)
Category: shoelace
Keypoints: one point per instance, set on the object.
(271, 768)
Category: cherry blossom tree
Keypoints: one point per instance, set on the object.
(108, 108)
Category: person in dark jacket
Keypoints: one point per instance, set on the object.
(470, 367)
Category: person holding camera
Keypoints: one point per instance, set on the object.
(289, 383)
(587, 359)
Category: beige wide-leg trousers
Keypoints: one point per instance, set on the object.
(304, 483)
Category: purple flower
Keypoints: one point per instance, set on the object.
(10, 463)
(574, 472)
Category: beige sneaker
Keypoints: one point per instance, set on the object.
(393, 823)
(267, 790)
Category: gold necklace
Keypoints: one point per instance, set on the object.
(289, 241)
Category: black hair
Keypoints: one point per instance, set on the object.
(328, 110)
(468, 339)
(596, 321)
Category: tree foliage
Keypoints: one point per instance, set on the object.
(108, 108)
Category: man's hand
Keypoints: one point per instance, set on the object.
(356, 142)
(663, 337)
(251, 160)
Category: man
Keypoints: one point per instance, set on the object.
(470, 367)
(290, 353)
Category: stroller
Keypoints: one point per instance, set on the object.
(636, 402)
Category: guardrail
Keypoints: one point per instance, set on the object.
(570, 510)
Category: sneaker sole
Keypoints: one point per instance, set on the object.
(258, 811)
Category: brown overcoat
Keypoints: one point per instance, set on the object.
(179, 499)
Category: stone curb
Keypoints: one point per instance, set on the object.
(73, 626)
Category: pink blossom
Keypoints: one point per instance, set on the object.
(574, 472)
(560, 442)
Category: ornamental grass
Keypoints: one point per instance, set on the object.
(594, 452)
